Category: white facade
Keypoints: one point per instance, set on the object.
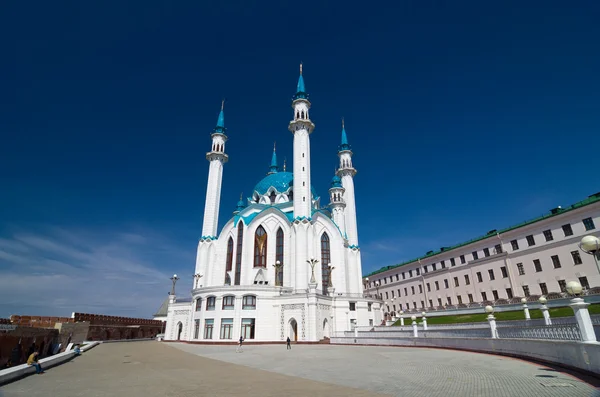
(256, 280)
(529, 260)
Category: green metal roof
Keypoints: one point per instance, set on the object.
(590, 200)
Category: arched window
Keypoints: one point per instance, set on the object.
(272, 197)
(198, 304)
(302, 114)
(229, 262)
(260, 247)
(297, 114)
(325, 260)
(291, 195)
(238, 253)
(279, 257)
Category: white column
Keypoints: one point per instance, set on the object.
(424, 322)
(402, 320)
(414, 325)
(546, 315)
(492, 320)
(350, 211)
(582, 315)
(302, 269)
(213, 197)
(526, 310)
(302, 193)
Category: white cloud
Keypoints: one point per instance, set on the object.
(58, 271)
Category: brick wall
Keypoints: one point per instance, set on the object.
(38, 321)
(16, 345)
(99, 319)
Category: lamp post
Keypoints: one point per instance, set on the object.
(393, 311)
(197, 278)
(174, 280)
(312, 263)
(544, 309)
(492, 320)
(582, 315)
(414, 325)
(367, 285)
(277, 266)
(525, 308)
(591, 245)
(402, 318)
(377, 288)
(330, 279)
(424, 321)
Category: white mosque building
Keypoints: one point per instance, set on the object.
(282, 266)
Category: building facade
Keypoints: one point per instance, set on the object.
(528, 260)
(282, 266)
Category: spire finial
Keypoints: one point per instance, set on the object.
(342, 122)
(241, 195)
(222, 103)
(274, 168)
(284, 160)
(300, 68)
(274, 143)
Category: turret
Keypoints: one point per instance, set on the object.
(337, 204)
(346, 172)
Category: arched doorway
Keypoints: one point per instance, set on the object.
(179, 330)
(325, 328)
(293, 330)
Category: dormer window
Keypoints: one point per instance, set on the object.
(272, 197)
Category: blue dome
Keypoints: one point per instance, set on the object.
(336, 181)
(280, 181)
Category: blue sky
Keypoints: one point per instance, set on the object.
(463, 116)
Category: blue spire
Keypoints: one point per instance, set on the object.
(344, 145)
(300, 90)
(240, 205)
(274, 167)
(336, 181)
(220, 128)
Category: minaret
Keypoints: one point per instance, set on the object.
(301, 127)
(337, 204)
(273, 168)
(216, 158)
(346, 172)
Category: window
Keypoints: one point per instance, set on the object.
(449, 300)
(584, 282)
(479, 277)
(420, 289)
(428, 287)
(589, 224)
(486, 251)
(249, 302)
(208, 328)
(526, 290)
(229, 261)
(198, 305)
(467, 281)
(238, 254)
(392, 293)
(412, 289)
(405, 291)
(515, 245)
(437, 286)
(470, 298)
(410, 273)
(279, 258)
(462, 259)
(418, 270)
(397, 278)
(475, 256)
(385, 280)
(562, 284)
(210, 303)
(226, 328)
(430, 303)
(544, 289)
(548, 235)
(520, 269)
(439, 301)
(387, 296)
(504, 272)
(555, 261)
(537, 265)
(509, 293)
(491, 273)
(260, 247)
(483, 296)
(456, 281)
(394, 307)
(248, 328)
(325, 262)
(422, 304)
(446, 285)
(228, 302)
(353, 306)
(398, 292)
(425, 270)
(196, 328)
(433, 267)
(459, 299)
(530, 240)
(567, 230)
(495, 293)
(403, 276)
(452, 262)
(443, 264)
(369, 307)
(576, 258)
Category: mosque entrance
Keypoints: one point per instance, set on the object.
(293, 330)
(325, 329)
(179, 330)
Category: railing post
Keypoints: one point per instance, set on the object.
(584, 321)
(424, 321)
(525, 309)
(492, 320)
(402, 318)
(414, 325)
(544, 309)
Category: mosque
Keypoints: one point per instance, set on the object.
(283, 265)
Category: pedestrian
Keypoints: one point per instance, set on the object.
(33, 361)
(289, 343)
(77, 350)
(239, 348)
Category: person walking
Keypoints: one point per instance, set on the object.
(239, 348)
(33, 361)
(289, 344)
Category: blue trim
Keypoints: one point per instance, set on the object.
(354, 247)
(208, 238)
(281, 182)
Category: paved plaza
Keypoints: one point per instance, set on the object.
(168, 369)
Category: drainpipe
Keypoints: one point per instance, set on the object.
(507, 263)
(423, 283)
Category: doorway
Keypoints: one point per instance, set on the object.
(325, 329)
(293, 330)
(179, 330)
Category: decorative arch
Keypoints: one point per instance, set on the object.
(279, 250)
(229, 261)
(325, 329)
(260, 247)
(260, 277)
(198, 304)
(238, 253)
(227, 279)
(325, 261)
